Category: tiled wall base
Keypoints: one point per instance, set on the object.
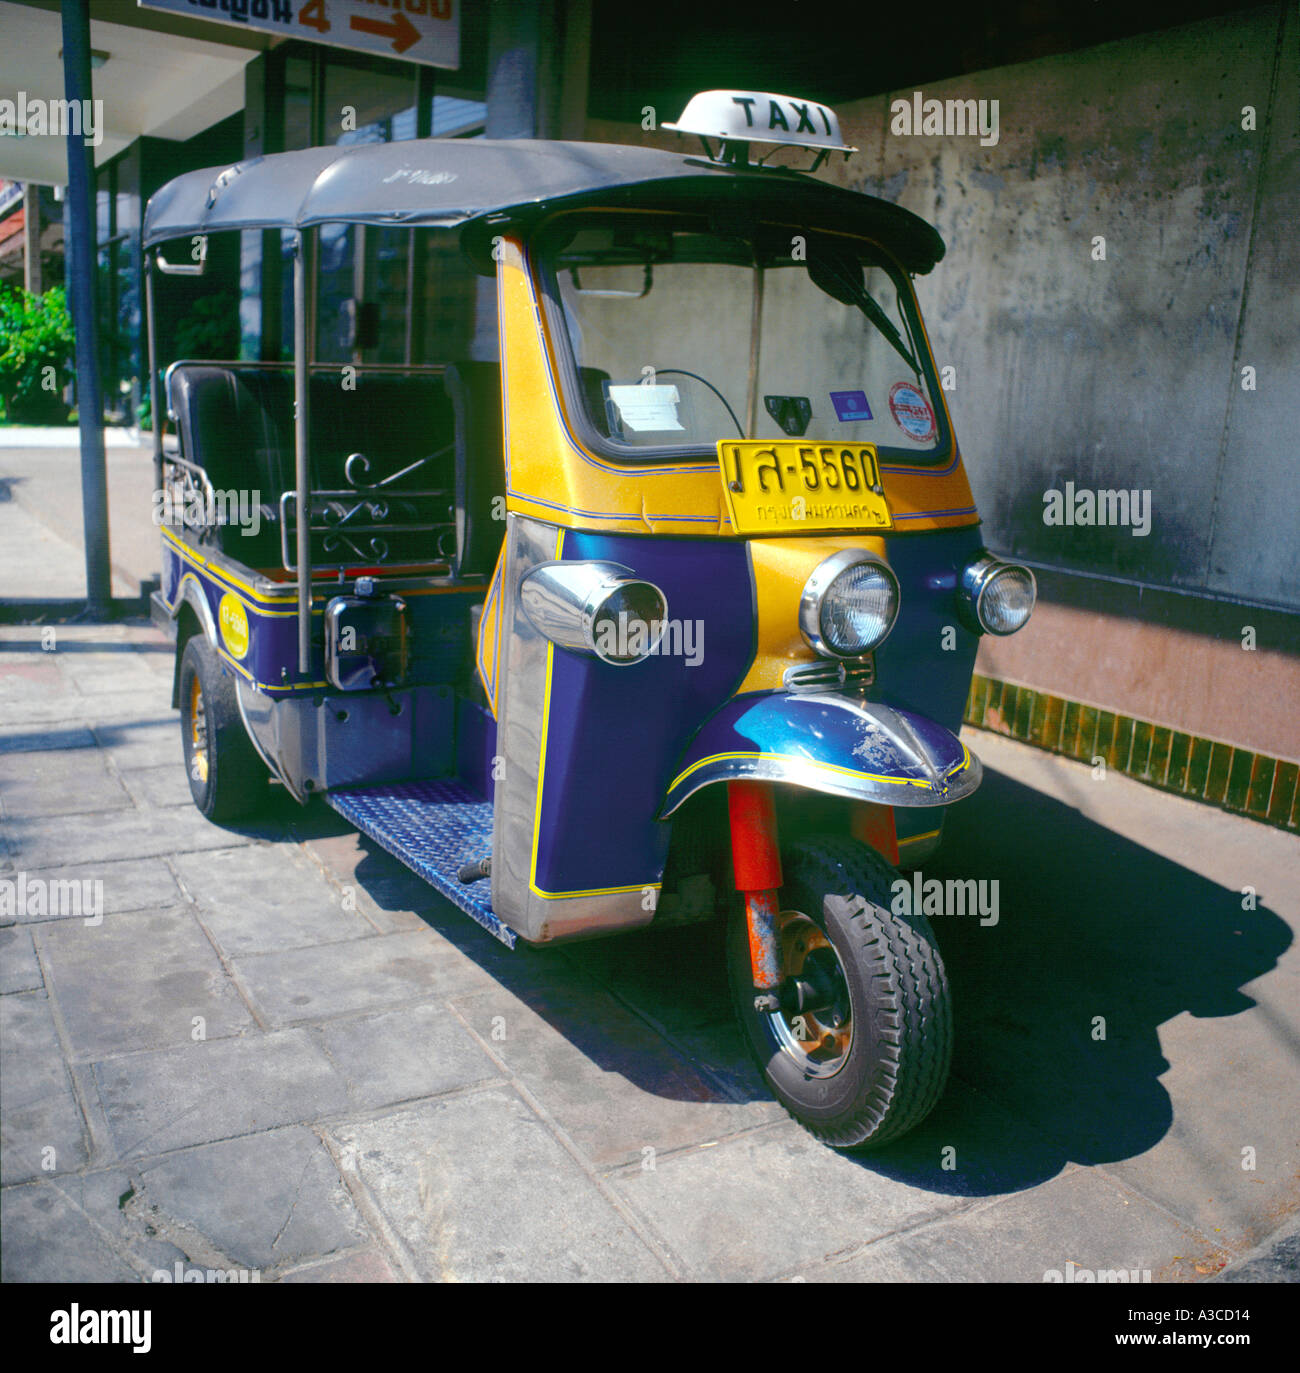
(1204, 769)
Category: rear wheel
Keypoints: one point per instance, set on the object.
(868, 1058)
(228, 780)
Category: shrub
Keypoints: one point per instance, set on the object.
(36, 342)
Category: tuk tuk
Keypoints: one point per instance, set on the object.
(656, 602)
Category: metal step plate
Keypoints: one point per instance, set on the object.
(434, 828)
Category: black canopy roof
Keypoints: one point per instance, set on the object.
(450, 182)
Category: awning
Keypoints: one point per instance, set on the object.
(449, 182)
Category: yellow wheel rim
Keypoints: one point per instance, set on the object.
(198, 732)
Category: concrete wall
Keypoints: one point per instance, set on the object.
(1125, 373)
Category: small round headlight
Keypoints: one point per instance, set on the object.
(999, 597)
(849, 604)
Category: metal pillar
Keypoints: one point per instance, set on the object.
(32, 277)
(81, 258)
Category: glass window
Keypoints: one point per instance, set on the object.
(453, 116)
(739, 338)
(363, 105)
(297, 103)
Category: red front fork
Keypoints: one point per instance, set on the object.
(756, 858)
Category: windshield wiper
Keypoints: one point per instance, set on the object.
(833, 274)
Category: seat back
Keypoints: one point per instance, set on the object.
(474, 389)
(237, 423)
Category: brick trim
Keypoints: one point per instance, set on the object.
(1234, 779)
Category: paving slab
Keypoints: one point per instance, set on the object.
(29, 738)
(29, 677)
(149, 980)
(389, 893)
(159, 786)
(676, 977)
(261, 1201)
(53, 841)
(19, 969)
(614, 1085)
(1228, 1161)
(401, 1055)
(1080, 1219)
(1276, 1260)
(136, 742)
(41, 1122)
(730, 1210)
(76, 1229)
(120, 710)
(157, 1102)
(69, 782)
(358, 975)
(477, 1189)
(263, 898)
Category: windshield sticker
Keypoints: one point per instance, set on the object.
(646, 409)
(911, 412)
(850, 406)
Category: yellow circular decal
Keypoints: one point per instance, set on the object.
(234, 624)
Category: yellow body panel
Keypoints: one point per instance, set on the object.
(780, 569)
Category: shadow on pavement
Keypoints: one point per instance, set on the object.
(1090, 924)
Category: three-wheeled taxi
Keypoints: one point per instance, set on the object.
(647, 593)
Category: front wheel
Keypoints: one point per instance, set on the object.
(869, 1060)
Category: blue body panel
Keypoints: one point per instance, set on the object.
(614, 733)
(829, 741)
(913, 669)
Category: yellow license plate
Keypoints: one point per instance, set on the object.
(802, 488)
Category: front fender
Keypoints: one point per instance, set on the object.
(841, 745)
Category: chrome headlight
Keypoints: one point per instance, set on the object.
(598, 608)
(996, 597)
(849, 604)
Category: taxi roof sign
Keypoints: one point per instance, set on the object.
(761, 117)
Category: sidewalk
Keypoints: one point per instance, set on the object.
(40, 491)
(280, 1052)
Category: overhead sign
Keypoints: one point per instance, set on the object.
(426, 31)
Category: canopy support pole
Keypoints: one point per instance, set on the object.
(155, 410)
(302, 499)
(81, 253)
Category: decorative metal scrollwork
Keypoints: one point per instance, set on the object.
(358, 463)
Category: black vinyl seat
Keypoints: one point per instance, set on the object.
(236, 422)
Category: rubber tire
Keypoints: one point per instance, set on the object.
(901, 1050)
(238, 781)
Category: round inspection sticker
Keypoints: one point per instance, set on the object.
(911, 412)
(233, 620)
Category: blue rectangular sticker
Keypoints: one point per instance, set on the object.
(851, 405)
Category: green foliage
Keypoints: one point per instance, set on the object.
(210, 328)
(36, 345)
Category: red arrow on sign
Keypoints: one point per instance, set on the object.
(403, 33)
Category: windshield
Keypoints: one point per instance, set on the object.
(682, 336)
